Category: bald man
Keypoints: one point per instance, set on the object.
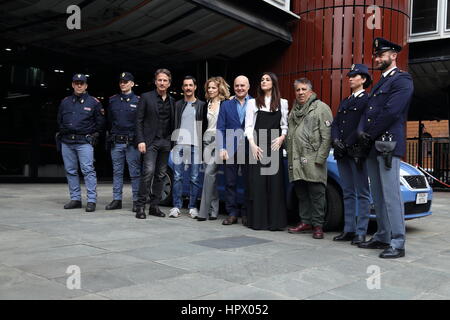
(233, 148)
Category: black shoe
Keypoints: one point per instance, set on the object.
(73, 204)
(344, 236)
(155, 211)
(115, 204)
(244, 220)
(200, 219)
(392, 253)
(140, 213)
(134, 209)
(373, 244)
(212, 218)
(90, 207)
(358, 239)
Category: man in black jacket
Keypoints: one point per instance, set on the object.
(154, 126)
(190, 123)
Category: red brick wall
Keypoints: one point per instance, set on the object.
(437, 129)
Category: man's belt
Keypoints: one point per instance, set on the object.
(73, 136)
(119, 138)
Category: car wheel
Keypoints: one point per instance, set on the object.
(166, 196)
(334, 211)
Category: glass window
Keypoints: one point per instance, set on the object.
(424, 16)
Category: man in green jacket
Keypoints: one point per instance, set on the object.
(309, 140)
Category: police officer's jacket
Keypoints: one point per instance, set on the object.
(122, 114)
(79, 116)
(345, 123)
(387, 109)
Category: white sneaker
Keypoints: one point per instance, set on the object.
(174, 213)
(193, 213)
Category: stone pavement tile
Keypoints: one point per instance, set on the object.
(38, 289)
(357, 266)
(147, 272)
(243, 293)
(209, 260)
(91, 296)
(128, 244)
(99, 281)
(166, 251)
(230, 242)
(430, 296)
(438, 262)
(105, 235)
(326, 296)
(4, 228)
(33, 241)
(23, 257)
(265, 249)
(10, 276)
(415, 278)
(57, 268)
(442, 290)
(359, 291)
(305, 283)
(311, 257)
(253, 271)
(187, 286)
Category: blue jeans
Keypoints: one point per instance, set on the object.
(193, 164)
(355, 187)
(83, 153)
(119, 153)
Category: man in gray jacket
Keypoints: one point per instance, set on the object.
(309, 140)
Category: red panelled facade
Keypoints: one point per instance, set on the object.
(331, 36)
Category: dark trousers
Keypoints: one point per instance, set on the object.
(231, 188)
(355, 187)
(311, 202)
(154, 169)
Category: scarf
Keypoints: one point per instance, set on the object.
(300, 110)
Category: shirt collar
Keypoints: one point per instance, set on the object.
(385, 74)
(357, 93)
(130, 95)
(247, 97)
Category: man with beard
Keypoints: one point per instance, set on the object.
(154, 126)
(382, 131)
(190, 118)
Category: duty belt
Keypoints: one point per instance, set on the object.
(72, 136)
(118, 138)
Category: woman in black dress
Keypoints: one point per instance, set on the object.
(266, 128)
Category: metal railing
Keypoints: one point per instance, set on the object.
(433, 155)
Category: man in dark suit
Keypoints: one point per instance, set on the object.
(382, 130)
(233, 147)
(154, 126)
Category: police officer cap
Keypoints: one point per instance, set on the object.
(358, 69)
(126, 76)
(79, 77)
(380, 45)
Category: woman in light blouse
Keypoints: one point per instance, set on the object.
(217, 90)
(266, 127)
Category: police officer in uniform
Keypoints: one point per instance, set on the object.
(352, 168)
(382, 131)
(122, 123)
(80, 120)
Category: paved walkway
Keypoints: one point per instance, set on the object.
(120, 257)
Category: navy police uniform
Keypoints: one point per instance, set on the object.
(80, 120)
(122, 124)
(384, 120)
(354, 178)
